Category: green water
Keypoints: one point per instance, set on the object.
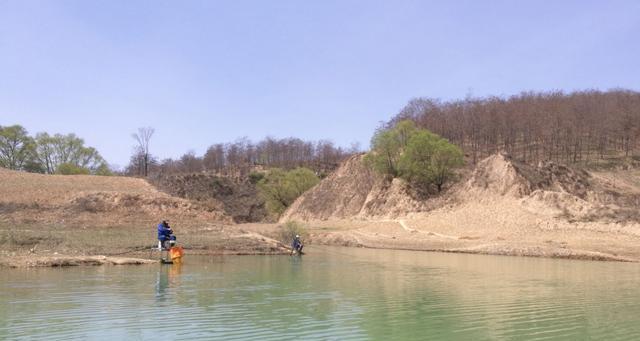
(329, 294)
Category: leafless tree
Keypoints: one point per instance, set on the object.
(143, 138)
(578, 127)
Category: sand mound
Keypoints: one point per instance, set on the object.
(342, 194)
(391, 199)
(498, 175)
(355, 191)
(547, 190)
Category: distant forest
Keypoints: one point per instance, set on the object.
(577, 127)
(241, 157)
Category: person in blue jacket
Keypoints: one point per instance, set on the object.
(296, 245)
(165, 235)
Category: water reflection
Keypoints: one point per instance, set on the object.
(167, 276)
(330, 293)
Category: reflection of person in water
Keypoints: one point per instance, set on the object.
(168, 276)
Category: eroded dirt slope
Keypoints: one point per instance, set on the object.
(501, 207)
(354, 191)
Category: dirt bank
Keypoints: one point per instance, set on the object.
(500, 207)
(85, 216)
(61, 260)
(239, 197)
(37, 246)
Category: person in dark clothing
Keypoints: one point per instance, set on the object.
(296, 245)
(165, 235)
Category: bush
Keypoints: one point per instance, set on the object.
(289, 230)
(255, 177)
(281, 188)
(71, 169)
(103, 170)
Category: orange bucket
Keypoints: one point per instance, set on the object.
(176, 253)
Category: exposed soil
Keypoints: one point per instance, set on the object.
(502, 207)
(499, 207)
(60, 261)
(239, 197)
(86, 200)
(354, 191)
(62, 220)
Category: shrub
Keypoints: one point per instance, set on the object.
(255, 177)
(289, 230)
(281, 188)
(71, 169)
(103, 170)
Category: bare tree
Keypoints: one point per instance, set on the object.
(143, 138)
(585, 126)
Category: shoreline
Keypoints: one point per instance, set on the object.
(79, 247)
(136, 258)
(538, 243)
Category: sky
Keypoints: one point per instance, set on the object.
(205, 72)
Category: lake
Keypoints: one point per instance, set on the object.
(331, 293)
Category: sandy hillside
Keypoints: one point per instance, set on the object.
(353, 191)
(502, 207)
(93, 201)
(54, 220)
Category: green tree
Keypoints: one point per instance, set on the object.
(446, 158)
(415, 161)
(45, 152)
(53, 151)
(429, 159)
(403, 131)
(281, 188)
(16, 147)
(384, 154)
(387, 146)
(416, 155)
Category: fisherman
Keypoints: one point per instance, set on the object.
(296, 245)
(165, 236)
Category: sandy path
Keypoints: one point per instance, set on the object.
(406, 227)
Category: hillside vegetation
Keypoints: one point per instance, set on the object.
(587, 127)
(259, 197)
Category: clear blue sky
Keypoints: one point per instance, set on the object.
(202, 72)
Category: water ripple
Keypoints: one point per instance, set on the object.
(404, 296)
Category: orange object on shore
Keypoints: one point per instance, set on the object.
(176, 253)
